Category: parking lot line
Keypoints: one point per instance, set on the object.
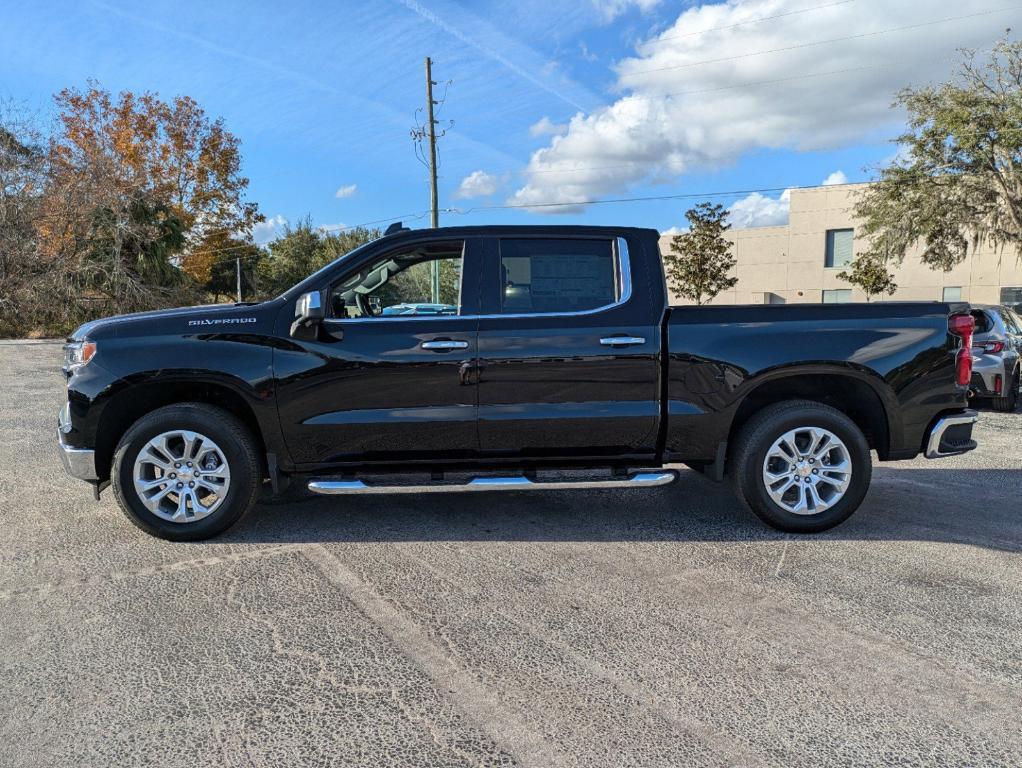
(479, 703)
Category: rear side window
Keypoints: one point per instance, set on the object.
(557, 275)
(983, 322)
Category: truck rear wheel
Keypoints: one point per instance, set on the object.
(186, 472)
(801, 466)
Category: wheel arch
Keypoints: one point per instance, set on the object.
(133, 402)
(850, 391)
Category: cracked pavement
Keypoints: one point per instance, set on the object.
(654, 627)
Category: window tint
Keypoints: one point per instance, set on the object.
(983, 321)
(424, 280)
(1011, 296)
(557, 275)
(837, 296)
(952, 293)
(839, 248)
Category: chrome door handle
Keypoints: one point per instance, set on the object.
(441, 344)
(621, 341)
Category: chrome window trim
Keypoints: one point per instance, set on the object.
(622, 266)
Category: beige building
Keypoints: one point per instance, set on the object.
(800, 261)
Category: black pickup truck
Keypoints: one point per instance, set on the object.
(486, 358)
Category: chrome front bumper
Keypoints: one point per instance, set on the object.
(952, 435)
(78, 462)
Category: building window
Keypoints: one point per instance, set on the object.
(838, 295)
(839, 248)
(953, 293)
(1011, 296)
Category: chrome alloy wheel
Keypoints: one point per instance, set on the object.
(807, 470)
(181, 476)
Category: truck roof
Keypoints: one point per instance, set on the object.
(533, 230)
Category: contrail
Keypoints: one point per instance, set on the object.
(431, 17)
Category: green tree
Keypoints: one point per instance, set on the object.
(415, 284)
(22, 178)
(301, 250)
(870, 274)
(700, 262)
(223, 280)
(958, 179)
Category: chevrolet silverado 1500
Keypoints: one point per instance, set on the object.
(481, 358)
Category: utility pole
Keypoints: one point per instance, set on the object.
(237, 267)
(434, 213)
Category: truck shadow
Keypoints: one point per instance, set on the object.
(963, 506)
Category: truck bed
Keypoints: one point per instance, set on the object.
(892, 363)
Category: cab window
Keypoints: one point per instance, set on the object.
(557, 275)
(422, 280)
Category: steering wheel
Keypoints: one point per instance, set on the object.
(365, 307)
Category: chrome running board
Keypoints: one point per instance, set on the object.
(514, 483)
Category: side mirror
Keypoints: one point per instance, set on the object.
(308, 315)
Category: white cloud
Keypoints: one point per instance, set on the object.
(477, 184)
(268, 230)
(611, 9)
(838, 177)
(672, 231)
(547, 127)
(348, 190)
(586, 53)
(704, 92)
(332, 227)
(758, 210)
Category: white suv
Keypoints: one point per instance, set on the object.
(996, 351)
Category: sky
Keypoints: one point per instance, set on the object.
(547, 105)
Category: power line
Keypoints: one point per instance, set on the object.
(684, 196)
(750, 21)
(822, 42)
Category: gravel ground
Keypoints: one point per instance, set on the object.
(616, 627)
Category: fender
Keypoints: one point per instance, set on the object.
(885, 394)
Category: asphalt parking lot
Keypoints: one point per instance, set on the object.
(660, 627)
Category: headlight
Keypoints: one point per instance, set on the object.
(77, 354)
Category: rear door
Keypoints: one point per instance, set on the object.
(568, 350)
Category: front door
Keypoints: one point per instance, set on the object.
(390, 377)
(568, 351)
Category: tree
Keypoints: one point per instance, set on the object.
(132, 180)
(700, 262)
(415, 284)
(22, 178)
(958, 181)
(870, 273)
(223, 281)
(301, 250)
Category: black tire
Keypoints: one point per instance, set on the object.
(229, 433)
(1007, 403)
(750, 452)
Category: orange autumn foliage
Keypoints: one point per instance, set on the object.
(111, 152)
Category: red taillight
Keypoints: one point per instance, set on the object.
(963, 326)
(989, 347)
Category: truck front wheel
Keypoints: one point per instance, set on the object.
(186, 472)
(801, 466)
